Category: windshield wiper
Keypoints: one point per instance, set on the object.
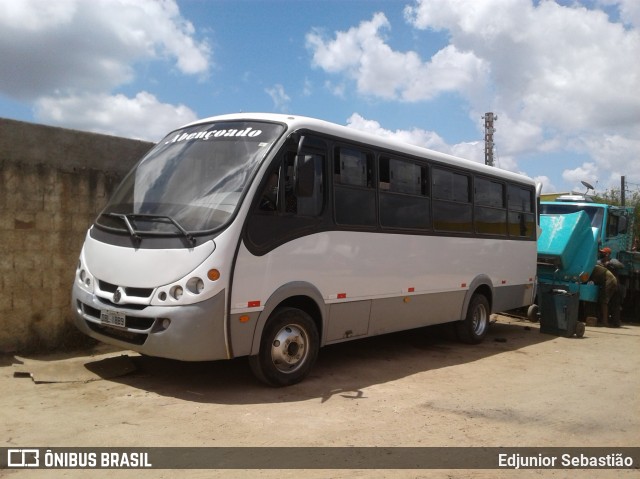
(135, 234)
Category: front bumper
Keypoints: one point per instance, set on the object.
(193, 332)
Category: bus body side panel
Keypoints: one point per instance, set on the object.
(435, 273)
(512, 297)
(348, 320)
(406, 312)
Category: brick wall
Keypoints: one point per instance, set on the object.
(53, 183)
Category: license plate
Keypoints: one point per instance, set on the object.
(113, 318)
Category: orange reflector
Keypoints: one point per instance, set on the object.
(244, 318)
(584, 277)
(213, 274)
(406, 299)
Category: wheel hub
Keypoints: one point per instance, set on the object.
(288, 350)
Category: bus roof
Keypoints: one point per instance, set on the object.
(297, 122)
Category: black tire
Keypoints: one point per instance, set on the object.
(473, 328)
(288, 348)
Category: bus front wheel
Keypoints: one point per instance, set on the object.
(473, 328)
(288, 348)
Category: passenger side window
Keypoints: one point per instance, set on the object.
(354, 193)
(490, 208)
(404, 201)
(451, 201)
(522, 222)
(279, 194)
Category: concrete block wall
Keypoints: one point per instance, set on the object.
(53, 183)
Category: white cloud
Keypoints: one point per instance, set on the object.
(363, 56)
(616, 156)
(142, 117)
(416, 136)
(79, 46)
(67, 57)
(629, 10)
(279, 96)
(563, 77)
(547, 185)
(586, 172)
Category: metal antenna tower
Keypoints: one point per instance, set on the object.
(489, 130)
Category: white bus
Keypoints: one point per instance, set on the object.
(270, 236)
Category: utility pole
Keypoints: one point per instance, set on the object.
(489, 130)
(622, 191)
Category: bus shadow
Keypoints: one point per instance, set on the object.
(344, 370)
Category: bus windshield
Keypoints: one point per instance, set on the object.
(595, 213)
(192, 180)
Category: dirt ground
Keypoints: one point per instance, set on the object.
(417, 388)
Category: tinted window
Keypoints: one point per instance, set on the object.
(451, 205)
(355, 207)
(311, 205)
(450, 186)
(522, 224)
(403, 187)
(398, 211)
(491, 221)
(451, 217)
(354, 193)
(521, 219)
(490, 210)
(489, 193)
(353, 167)
(520, 199)
(400, 176)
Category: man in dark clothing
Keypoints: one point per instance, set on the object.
(608, 296)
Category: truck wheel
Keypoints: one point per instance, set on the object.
(288, 348)
(473, 328)
(532, 313)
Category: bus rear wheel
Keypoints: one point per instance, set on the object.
(288, 348)
(473, 328)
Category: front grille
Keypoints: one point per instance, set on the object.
(139, 292)
(129, 291)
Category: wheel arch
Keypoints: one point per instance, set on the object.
(481, 284)
(300, 295)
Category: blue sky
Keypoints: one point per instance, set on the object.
(563, 77)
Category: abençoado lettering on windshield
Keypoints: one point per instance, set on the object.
(208, 134)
